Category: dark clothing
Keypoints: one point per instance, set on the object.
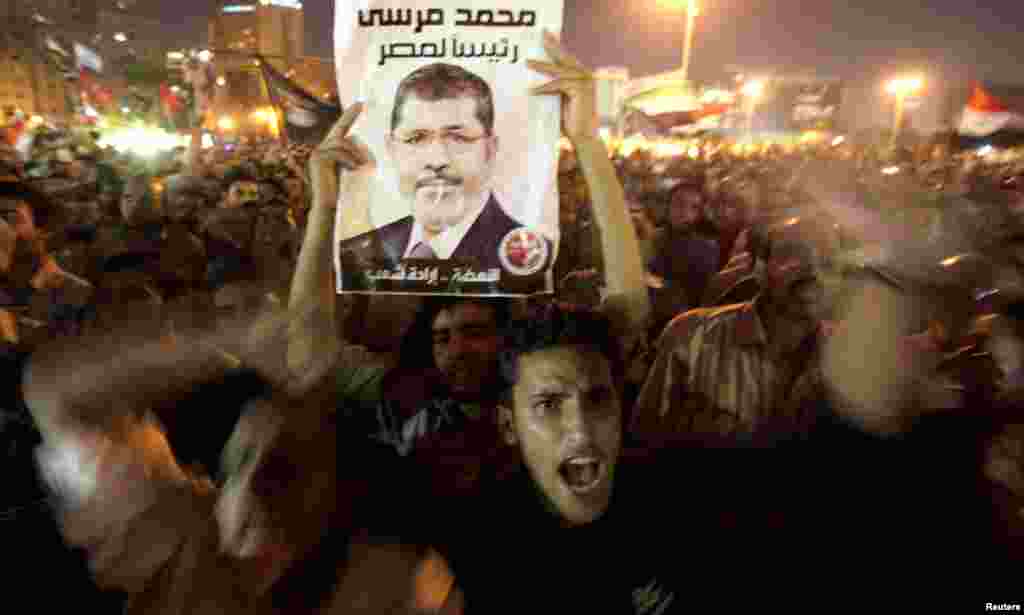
(447, 441)
(384, 248)
(579, 249)
(686, 263)
(670, 541)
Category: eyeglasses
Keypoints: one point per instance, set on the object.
(455, 142)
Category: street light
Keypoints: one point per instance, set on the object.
(902, 88)
(692, 11)
(752, 91)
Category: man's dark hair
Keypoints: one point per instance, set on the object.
(443, 81)
(765, 237)
(41, 205)
(582, 327)
(417, 344)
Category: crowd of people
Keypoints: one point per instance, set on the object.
(758, 376)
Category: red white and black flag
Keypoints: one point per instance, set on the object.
(306, 118)
(987, 113)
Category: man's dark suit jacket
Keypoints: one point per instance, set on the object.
(384, 248)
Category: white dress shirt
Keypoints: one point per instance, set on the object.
(445, 243)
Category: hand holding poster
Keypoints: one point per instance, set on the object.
(455, 191)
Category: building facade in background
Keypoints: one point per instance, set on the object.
(274, 30)
(113, 33)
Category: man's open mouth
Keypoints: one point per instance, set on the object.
(438, 183)
(582, 474)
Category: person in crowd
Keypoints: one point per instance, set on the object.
(729, 375)
(579, 245)
(290, 526)
(733, 215)
(56, 301)
(686, 258)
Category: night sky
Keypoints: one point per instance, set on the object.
(950, 41)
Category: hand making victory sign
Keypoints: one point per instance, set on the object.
(340, 148)
(575, 83)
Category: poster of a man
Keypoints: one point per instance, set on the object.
(443, 145)
(447, 206)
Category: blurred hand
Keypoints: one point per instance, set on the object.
(575, 83)
(133, 504)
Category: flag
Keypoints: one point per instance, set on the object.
(94, 92)
(199, 75)
(704, 118)
(987, 114)
(58, 56)
(306, 118)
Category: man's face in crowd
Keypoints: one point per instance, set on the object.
(133, 198)
(294, 187)
(567, 162)
(798, 268)
(641, 221)
(466, 343)
(567, 421)
(567, 207)
(19, 216)
(182, 204)
(732, 211)
(684, 210)
(444, 158)
(240, 193)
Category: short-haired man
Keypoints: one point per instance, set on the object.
(444, 148)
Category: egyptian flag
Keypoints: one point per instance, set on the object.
(306, 118)
(987, 114)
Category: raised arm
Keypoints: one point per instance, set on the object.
(627, 299)
(313, 333)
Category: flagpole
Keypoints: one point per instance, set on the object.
(281, 134)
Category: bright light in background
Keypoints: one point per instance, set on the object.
(812, 136)
(125, 110)
(226, 123)
(145, 141)
(838, 141)
(120, 37)
(175, 55)
(35, 120)
(985, 150)
(221, 81)
(904, 86)
(753, 89)
(205, 55)
(693, 152)
(890, 171)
